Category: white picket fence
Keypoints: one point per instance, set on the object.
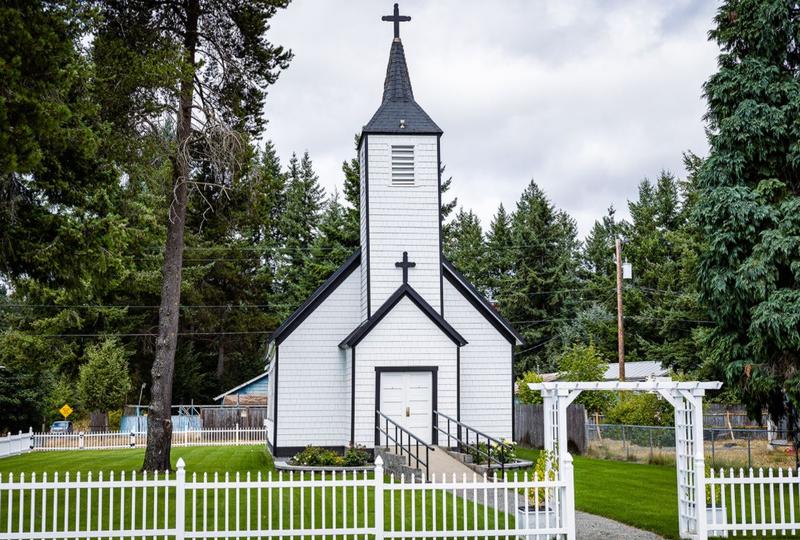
(12, 445)
(32, 441)
(312, 505)
(753, 503)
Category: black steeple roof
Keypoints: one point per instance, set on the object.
(399, 113)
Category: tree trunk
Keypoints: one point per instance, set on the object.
(159, 419)
(220, 359)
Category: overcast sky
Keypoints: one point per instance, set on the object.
(587, 97)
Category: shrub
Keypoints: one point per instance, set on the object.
(584, 363)
(641, 409)
(314, 456)
(103, 381)
(546, 468)
(505, 452)
(478, 453)
(525, 394)
(356, 456)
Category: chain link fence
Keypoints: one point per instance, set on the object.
(724, 447)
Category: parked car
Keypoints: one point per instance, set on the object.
(61, 426)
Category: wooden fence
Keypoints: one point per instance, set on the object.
(529, 426)
(320, 505)
(229, 417)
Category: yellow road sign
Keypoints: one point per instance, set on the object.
(65, 411)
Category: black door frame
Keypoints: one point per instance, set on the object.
(433, 370)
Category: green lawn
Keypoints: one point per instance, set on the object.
(644, 496)
(222, 509)
(198, 459)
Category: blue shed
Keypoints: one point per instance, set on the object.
(252, 392)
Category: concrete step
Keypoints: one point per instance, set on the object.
(398, 465)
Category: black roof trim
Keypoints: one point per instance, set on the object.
(313, 301)
(460, 282)
(403, 291)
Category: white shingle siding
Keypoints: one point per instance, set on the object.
(314, 374)
(405, 337)
(363, 236)
(485, 367)
(403, 218)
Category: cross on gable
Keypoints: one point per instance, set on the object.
(396, 18)
(405, 264)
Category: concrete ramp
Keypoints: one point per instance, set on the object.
(442, 463)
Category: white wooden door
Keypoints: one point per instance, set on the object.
(406, 398)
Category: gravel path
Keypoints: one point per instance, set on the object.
(588, 526)
(591, 527)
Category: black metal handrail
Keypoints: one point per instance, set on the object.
(461, 435)
(404, 442)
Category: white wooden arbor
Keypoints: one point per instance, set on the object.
(686, 397)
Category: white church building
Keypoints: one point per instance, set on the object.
(397, 328)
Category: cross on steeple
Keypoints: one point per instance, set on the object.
(396, 18)
(405, 265)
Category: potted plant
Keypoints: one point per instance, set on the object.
(540, 512)
(718, 515)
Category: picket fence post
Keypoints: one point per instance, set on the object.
(80, 440)
(569, 497)
(237, 433)
(180, 500)
(379, 498)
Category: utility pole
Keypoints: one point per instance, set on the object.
(620, 327)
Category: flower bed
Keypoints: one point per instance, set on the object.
(314, 458)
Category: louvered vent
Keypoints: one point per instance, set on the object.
(402, 165)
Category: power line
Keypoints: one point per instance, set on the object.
(148, 334)
(538, 345)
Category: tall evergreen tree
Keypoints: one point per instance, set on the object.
(500, 255)
(299, 228)
(465, 248)
(330, 248)
(352, 195)
(545, 247)
(749, 202)
(205, 64)
(61, 235)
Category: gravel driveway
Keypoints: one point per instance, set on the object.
(591, 527)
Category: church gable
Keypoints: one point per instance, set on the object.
(323, 291)
(479, 302)
(404, 291)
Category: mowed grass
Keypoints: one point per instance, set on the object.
(234, 508)
(210, 459)
(643, 496)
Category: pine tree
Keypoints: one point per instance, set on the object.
(299, 228)
(499, 260)
(465, 248)
(749, 202)
(62, 238)
(205, 64)
(352, 195)
(330, 248)
(545, 247)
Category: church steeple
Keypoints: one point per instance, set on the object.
(398, 112)
(400, 192)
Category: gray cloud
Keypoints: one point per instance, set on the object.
(585, 96)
